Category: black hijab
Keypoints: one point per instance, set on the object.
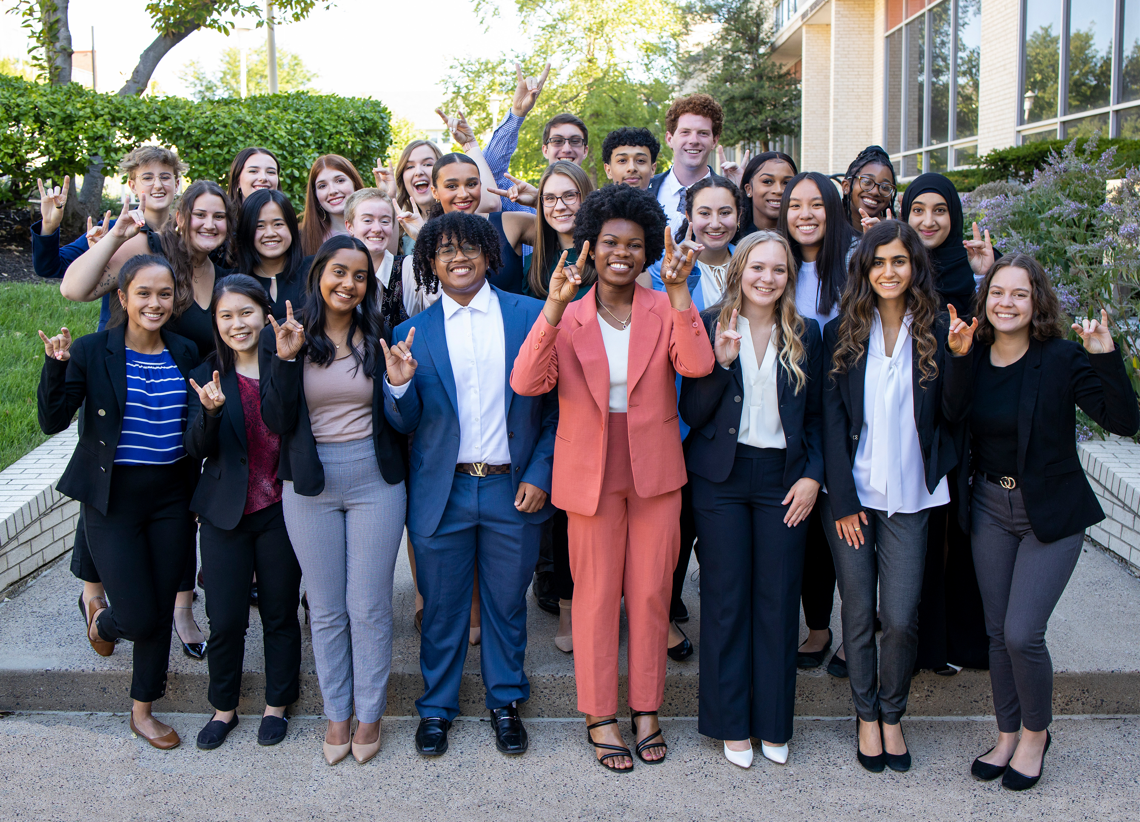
(955, 278)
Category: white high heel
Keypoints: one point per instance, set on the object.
(742, 759)
(776, 753)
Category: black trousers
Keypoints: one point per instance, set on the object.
(140, 549)
(229, 558)
(688, 537)
(556, 529)
(818, 590)
(83, 566)
(751, 569)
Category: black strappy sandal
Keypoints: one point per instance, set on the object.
(617, 749)
(648, 741)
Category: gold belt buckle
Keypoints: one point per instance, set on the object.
(480, 468)
(1008, 483)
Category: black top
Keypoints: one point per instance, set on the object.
(993, 423)
(195, 323)
(392, 302)
(510, 276)
(290, 287)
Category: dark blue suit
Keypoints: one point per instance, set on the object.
(51, 262)
(457, 523)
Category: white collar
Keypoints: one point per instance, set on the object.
(384, 272)
(481, 302)
(675, 184)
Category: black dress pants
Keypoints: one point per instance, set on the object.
(83, 566)
(229, 558)
(139, 548)
(818, 590)
(560, 543)
(688, 538)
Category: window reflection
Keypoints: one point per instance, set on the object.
(939, 74)
(894, 58)
(1042, 59)
(969, 63)
(1130, 60)
(1090, 54)
(916, 81)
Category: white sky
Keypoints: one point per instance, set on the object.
(359, 48)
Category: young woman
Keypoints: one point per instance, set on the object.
(331, 179)
(869, 188)
(238, 502)
(764, 181)
(1030, 502)
(756, 469)
(811, 217)
(614, 357)
(130, 471)
(267, 247)
(887, 450)
(413, 187)
(253, 169)
(343, 471)
(370, 216)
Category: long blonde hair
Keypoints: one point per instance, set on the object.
(790, 328)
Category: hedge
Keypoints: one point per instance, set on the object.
(1020, 162)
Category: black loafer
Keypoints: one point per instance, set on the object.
(215, 733)
(431, 736)
(805, 660)
(273, 729)
(510, 735)
(544, 595)
(682, 650)
(837, 667)
(985, 771)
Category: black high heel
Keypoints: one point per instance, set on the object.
(898, 762)
(647, 742)
(874, 764)
(683, 649)
(618, 750)
(194, 650)
(1013, 780)
(805, 660)
(986, 771)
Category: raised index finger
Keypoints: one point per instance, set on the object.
(518, 72)
(545, 73)
(953, 314)
(411, 336)
(288, 311)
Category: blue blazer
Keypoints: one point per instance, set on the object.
(429, 409)
(51, 261)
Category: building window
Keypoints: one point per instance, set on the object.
(1080, 69)
(933, 53)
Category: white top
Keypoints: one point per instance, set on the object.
(415, 299)
(889, 472)
(807, 295)
(760, 424)
(671, 195)
(617, 352)
(711, 283)
(384, 270)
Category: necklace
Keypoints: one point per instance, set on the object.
(623, 323)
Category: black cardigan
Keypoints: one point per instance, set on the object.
(843, 419)
(95, 377)
(285, 412)
(1059, 376)
(712, 407)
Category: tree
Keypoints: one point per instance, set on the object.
(403, 132)
(292, 74)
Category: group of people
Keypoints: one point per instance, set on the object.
(587, 382)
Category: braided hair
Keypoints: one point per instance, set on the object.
(871, 154)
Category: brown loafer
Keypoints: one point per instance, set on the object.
(163, 743)
(101, 646)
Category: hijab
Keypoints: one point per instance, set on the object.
(954, 278)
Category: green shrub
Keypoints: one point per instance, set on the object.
(1020, 163)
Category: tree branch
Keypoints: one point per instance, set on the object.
(149, 59)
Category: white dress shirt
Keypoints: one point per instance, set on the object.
(807, 295)
(416, 299)
(617, 353)
(669, 195)
(889, 471)
(760, 424)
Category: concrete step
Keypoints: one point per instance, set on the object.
(47, 665)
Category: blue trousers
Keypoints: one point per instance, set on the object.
(480, 528)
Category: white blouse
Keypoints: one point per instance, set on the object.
(711, 283)
(617, 352)
(807, 295)
(889, 471)
(760, 424)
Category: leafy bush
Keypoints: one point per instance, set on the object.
(1020, 163)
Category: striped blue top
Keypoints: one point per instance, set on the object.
(155, 418)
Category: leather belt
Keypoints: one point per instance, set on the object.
(481, 469)
(1008, 483)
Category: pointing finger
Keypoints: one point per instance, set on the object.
(545, 73)
(411, 336)
(288, 311)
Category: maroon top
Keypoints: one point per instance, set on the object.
(263, 447)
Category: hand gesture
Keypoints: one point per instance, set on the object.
(980, 252)
(527, 91)
(290, 334)
(802, 497)
(458, 128)
(530, 498)
(411, 221)
(130, 222)
(726, 342)
(679, 259)
(96, 232)
(399, 361)
(385, 177)
(961, 336)
(1095, 335)
(210, 395)
(52, 201)
(730, 169)
(866, 220)
(566, 280)
(849, 530)
(59, 346)
(521, 192)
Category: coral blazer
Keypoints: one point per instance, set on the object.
(572, 357)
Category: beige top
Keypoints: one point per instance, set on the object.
(339, 397)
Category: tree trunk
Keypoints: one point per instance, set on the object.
(55, 24)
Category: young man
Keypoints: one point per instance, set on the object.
(629, 156)
(480, 473)
(692, 129)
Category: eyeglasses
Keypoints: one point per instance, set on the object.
(447, 253)
(148, 179)
(558, 142)
(569, 198)
(886, 189)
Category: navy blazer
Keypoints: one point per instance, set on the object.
(51, 261)
(1059, 376)
(843, 419)
(712, 407)
(429, 408)
(95, 377)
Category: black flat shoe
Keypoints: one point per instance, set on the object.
(984, 771)
(898, 762)
(648, 742)
(617, 750)
(805, 660)
(678, 612)
(837, 667)
(875, 764)
(510, 735)
(194, 650)
(682, 650)
(273, 729)
(1013, 780)
(253, 595)
(215, 733)
(431, 736)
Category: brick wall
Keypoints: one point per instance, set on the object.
(998, 92)
(1113, 469)
(855, 83)
(815, 128)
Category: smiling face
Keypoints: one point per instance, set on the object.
(373, 224)
(157, 181)
(417, 176)
(344, 281)
(692, 142)
(259, 171)
(461, 268)
(1009, 302)
(807, 218)
(560, 144)
(207, 229)
(332, 188)
(930, 217)
(619, 253)
(271, 238)
(714, 217)
(864, 190)
(766, 188)
(631, 166)
(765, 275)
(240, 320)
(458, 188)
(890, 273)
(560, 214)
(149, 298)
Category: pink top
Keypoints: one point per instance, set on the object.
(263, 448)
(339, 396)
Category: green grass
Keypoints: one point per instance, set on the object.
(24, 309)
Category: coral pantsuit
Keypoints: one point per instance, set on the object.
(618, 477)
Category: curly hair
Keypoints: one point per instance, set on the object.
(711, 181)
(459, 227)
(703, 105)
(173, 238)
(871, 154)
(1047, 321)
(857, 310)
(147, 155)
(619, 202)
(628, 136)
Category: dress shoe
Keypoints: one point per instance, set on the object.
(419, 620)
(510, 735)
(683, 649)
(544, 594)
(253, 595)
(335, 753)
(837, 667)
(564, 642)
(273, 729)
(678, 612)
(163, 743)
(985, 771)
(100, 646)
(806, 660)
(741, 759)
(1013, 780)
(194, 650)
(362, 752)
(875, 764)
(215, 733)
(898, 762)
(475, 636)
(775, 753)
(431, 736)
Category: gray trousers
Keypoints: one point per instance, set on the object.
(346, 540)
(1021, 578)
(887, 568)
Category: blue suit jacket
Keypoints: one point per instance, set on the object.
(51, 261)
(429, 409)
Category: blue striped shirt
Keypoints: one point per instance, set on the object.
(155, 417)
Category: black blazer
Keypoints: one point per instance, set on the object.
(285, 412)
(95, 377)
(843, 419)
(712, 406)
(1059, 376)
